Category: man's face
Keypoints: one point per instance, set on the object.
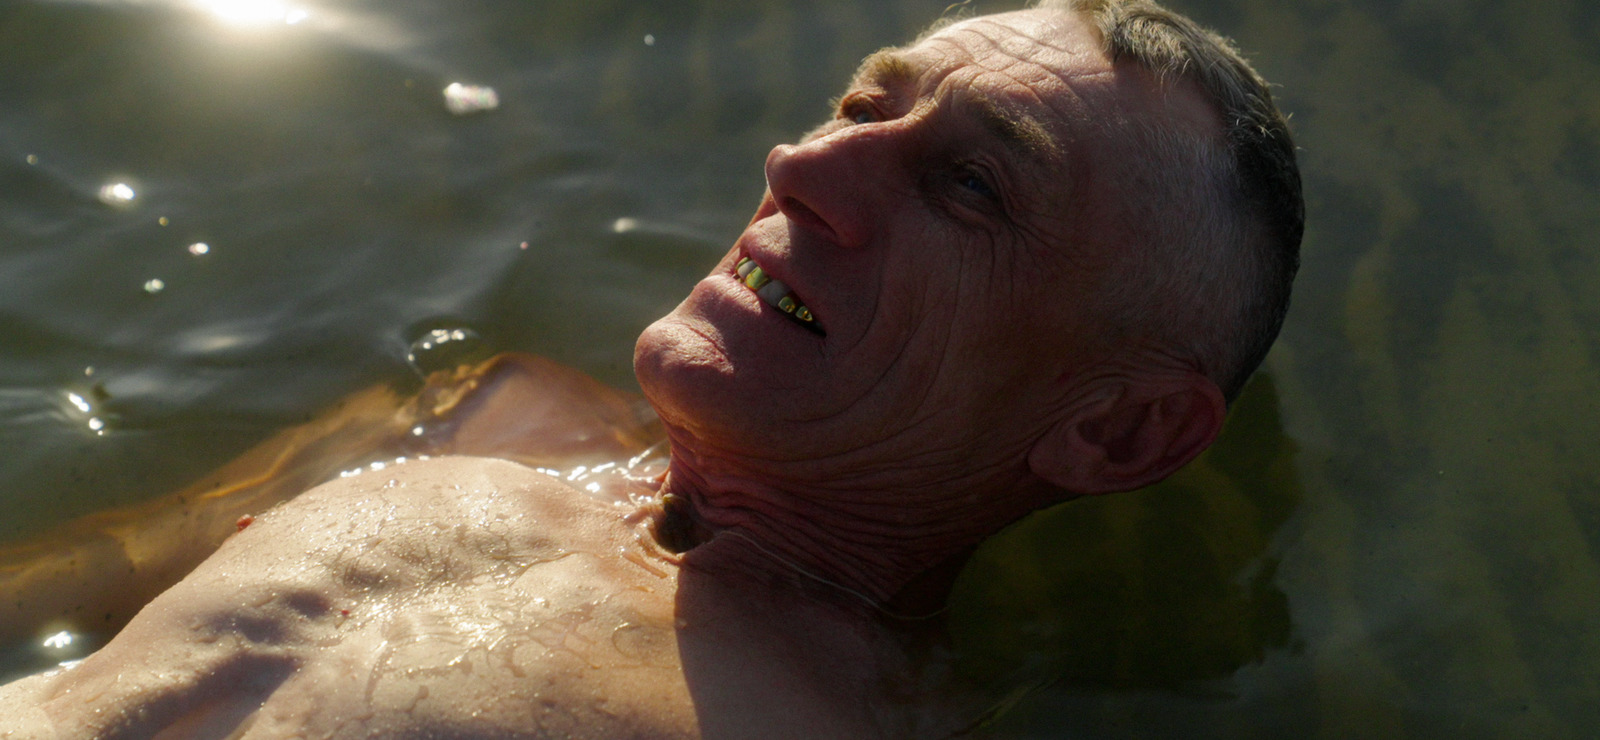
(932, 231)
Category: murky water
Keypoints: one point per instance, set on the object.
(1396, 537)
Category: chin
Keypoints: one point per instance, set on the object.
(703, 391)
(683, 371)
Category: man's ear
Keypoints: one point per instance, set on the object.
(1134, 438)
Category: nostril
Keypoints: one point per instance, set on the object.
(800, 212)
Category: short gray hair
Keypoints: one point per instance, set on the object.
(1226, 214)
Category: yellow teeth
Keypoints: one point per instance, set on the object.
(774, 293)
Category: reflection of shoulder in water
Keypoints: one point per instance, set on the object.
(92, 575)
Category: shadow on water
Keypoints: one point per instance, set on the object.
(1163, 588)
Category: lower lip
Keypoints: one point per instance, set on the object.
(731, 287)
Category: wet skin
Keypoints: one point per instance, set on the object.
(936, 228)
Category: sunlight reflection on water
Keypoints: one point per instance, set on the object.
(253, 13)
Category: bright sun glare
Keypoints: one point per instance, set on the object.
(253, 13)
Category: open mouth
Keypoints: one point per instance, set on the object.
(777, 295)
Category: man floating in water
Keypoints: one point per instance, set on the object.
(1030, 258)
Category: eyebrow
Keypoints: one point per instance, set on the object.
(1017, 130)
(1022, 133)
(886, 67)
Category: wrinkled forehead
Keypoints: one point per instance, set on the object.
(1060, 42)
(1038, 67)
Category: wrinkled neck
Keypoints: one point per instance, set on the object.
(895, 549)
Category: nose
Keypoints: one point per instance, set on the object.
(829, 185)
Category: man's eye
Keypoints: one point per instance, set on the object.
(857, 111)
(975, 182)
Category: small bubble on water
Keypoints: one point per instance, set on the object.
(624, 225)
(162, 221)
(33, 159)
(649, 39)
(154, 286)
(199, 248)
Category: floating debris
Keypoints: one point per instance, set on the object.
(447, 349)
(464, 99)
(117, 194)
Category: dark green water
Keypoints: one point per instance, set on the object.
(1396, 537)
